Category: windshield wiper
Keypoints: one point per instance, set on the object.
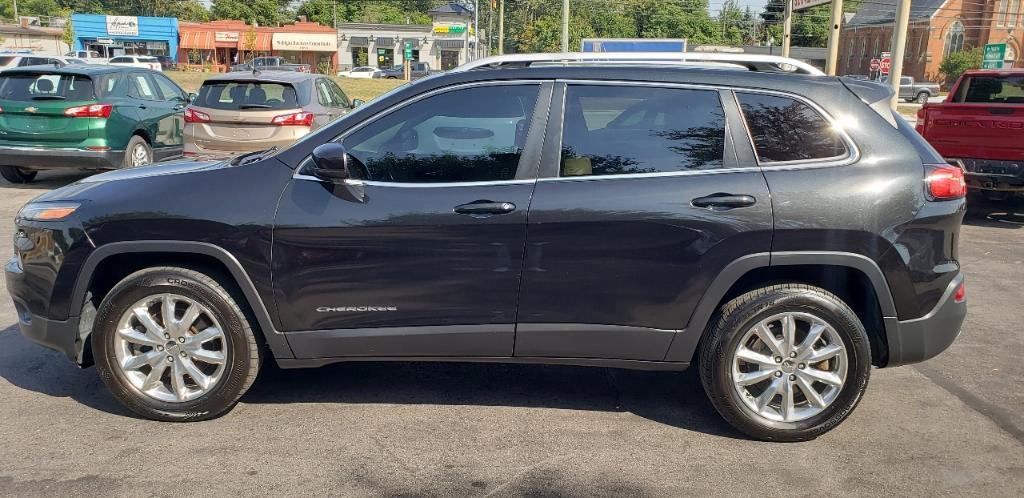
(254, 106)
(250, 157)
(48, 97)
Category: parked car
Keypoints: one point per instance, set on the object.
(88, 117)
(140, 61)
(270, 64)
(754, 224)
(90, 56)
(912, 90)
(166, 63)
(12, 61)
(360, 72)
(237, 112)
(978, 127)
(417, 71)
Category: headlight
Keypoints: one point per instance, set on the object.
(47, 211)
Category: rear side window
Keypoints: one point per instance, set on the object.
(246, 95)
(785, 129)
(28, 87)
(122, 59)
(142, 87)
(612, 130)
(990, 90)
(5, 60)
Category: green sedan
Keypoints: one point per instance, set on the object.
(89, 117)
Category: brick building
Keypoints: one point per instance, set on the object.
(937, 28)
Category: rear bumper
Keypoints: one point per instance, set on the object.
(58, 158)
(984, 174)
(912, 341)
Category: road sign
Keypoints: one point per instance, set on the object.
(995, 53)
(885, 65)
(408, 50)
(875, 64)
(806, 4)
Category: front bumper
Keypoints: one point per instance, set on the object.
(64, 336)
(60, 158)
(913, 341)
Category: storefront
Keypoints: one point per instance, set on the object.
(111, 36)
(215, 46)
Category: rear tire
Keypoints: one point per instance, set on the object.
(192, 367)
(821, 392)
(137, 153)
(15, 174)
(921, 98)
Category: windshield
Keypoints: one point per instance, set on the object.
(30, 87)
(991, 90)
(241, 95)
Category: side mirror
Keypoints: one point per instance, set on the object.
(330, 162)
(192, 97)
(357, 102)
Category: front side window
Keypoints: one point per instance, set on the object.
(614, 130)
(470, 134)
(785, 129)
(168, 89)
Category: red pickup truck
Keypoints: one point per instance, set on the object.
(980, 126)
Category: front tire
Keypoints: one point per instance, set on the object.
(15, 174)
(137, 153)
(172, 344)
(786, 362)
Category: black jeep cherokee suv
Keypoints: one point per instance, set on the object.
(781, 232)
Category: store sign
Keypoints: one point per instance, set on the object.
(225, 36)
(452, 29)
(314, 42)
(122, 26)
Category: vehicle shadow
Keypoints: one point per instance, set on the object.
(49, 180)
(1007, 213)
(672, 398)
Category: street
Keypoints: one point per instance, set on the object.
(950, 426)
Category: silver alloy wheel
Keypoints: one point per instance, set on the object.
(789, 367)
(140, 156)
(170, 347)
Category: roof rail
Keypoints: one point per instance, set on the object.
(752, 62)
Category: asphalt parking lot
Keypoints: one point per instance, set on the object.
(954, 425)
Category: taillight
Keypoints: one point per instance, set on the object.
(960, 294)
(944, 182)
(194, 116)
(921, 113)
(89, 111)
(297, 119)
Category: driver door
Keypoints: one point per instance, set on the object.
(422, 254)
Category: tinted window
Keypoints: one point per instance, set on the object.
(122, 59)
(241, 95)
(168, 89)
(785, 129)
(473, 134)
(991, 90)
(323, 95)
(142, 87)
(42, 86)
(5, 60)
(338, 96)
(611, 130)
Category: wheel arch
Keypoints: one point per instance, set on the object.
(130, 256)
(855, 278)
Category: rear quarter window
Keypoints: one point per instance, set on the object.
(246, 95)
(785, 129)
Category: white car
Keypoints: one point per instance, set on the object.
(141, 61)
(89, 56)
(8, 61)
(360, 72)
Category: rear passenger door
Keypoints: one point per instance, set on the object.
(642, 200)
(155, 115)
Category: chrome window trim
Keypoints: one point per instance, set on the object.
(400, 105)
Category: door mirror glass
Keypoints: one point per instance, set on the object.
(330, 162)
(357, 103)
(192, 96)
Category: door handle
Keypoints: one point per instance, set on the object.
(724, 201)
(485, 208)
(179, 107)
(142, 106)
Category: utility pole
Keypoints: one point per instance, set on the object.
(899, 48)
(565, 26)
(501, 27)
(334, 13)
(833, 37)
(787, 27)
(16, 20)
(476, 29)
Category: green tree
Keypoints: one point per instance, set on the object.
(956, 63)
(264, 12)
